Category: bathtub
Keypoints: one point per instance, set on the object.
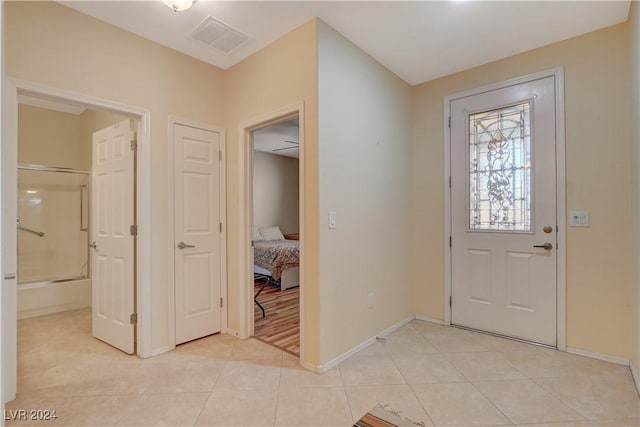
(48, 297)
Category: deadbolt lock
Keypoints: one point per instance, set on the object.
(547, 229)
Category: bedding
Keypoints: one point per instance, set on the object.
(276, 255)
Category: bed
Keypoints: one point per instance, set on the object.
(279, 259)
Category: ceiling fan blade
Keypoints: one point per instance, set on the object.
(286, 148)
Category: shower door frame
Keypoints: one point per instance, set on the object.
(11, 88)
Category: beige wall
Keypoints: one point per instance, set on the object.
(634, 23)
(84, 55)
(282, 74)
(365, 176)
(275, 192)
(49, 138)
(598, 174)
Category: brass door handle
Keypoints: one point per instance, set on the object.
(548, 246)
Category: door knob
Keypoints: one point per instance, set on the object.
(548, 246)
(183, 245)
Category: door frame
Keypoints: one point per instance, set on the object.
(246, 291)
(11, 88)
(561, 272)
(171, 297)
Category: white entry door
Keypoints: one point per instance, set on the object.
(112, 210)
(503, 211)
(197, 232)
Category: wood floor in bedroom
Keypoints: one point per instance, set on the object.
(281, 325)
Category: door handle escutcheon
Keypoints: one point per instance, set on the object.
(183, 245)
(548, 246)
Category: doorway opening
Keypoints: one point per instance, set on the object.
(70, 168)
(276, 234)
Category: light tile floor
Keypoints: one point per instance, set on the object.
(432, 374)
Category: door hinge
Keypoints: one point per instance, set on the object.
(220, 226)
(133, 230)
(221, 302)
(450, 301)
(449, 122)
(450, 242)
(449, 181)
(133, 318)
(133, 145)
(220, 155)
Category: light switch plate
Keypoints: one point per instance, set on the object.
(332, 219)
(578, 219)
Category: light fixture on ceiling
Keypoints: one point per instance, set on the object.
(179, 5)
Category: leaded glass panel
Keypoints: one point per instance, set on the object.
(500, 169)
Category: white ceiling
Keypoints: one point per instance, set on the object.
(280, 137)
(417, 40)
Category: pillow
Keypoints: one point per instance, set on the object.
(271, 233)
(257, 236)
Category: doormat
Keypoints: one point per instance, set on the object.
(384, 416)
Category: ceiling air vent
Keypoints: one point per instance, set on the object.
(216, 33)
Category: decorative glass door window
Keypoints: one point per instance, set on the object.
(500, 169)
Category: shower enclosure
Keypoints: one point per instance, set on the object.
(53, 238)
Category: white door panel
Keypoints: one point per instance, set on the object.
(197, 225)
(112, 215)
(502, 197)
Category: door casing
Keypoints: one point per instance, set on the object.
(558, 74)
(171, 298)
(11, 88)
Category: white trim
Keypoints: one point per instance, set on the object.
(600, 356)
(245, 171)
(561, 299)
(172, 121)
(636, 377)
(161, 350)
(430, 320)
(230, 331)
(143, 182)
(347, 354)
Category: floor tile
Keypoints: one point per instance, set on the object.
(481, 366)
(398, 398)
(458, 404)
(239, 408)
(523, 401)
(428, 368)
(605, 397)
(242, 375)
(407, 344)
(370, 370)
(194, 376)
(455, 342)
(255, 351)
(321, 406)
(601, 423)
(174, 409)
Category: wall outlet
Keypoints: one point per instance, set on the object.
(370, 301)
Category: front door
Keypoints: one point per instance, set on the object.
(112, 211)
(197, 232)
(503, 211)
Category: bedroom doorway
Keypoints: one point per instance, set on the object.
(275, 228)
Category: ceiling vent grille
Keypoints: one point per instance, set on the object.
(219, 35)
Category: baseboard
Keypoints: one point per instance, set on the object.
(600, 356)
(159, 351)
(430, 320)
(230, 331)
(636, 377)
(336, 361)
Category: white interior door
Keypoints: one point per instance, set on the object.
(112, 210)
(503, 211)
(197, 232)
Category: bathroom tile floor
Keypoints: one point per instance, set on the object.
(433, 374)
